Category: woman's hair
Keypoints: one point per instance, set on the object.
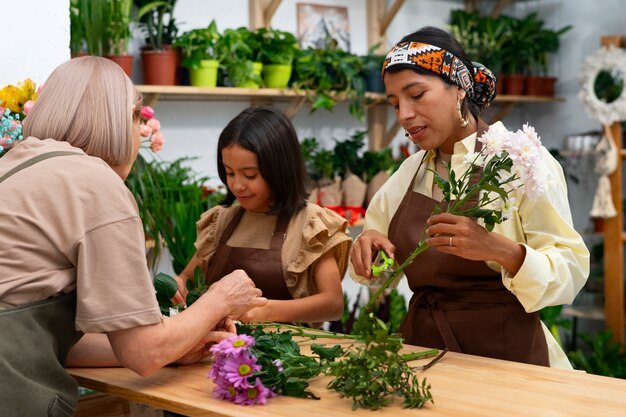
(88, 102)
(270, 135)
(438, 37)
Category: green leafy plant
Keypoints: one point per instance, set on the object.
(551, 317)
(241, 49)
(166, 287)
(330, 74)
(603, 356)
(77, 31)
(120, 14)
(157, 22)
(200, 44)
(171, 198)
(346, 153)
(276, 46)
(95, 16)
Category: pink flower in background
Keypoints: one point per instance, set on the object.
(147, 112)
(234, 345)
(145, 131)
(156, 142)
(154, 124)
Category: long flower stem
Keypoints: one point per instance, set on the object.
(407, 357)
(421, 247)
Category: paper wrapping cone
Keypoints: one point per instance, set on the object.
(606, 164)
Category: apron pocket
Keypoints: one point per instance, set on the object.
(60, 408)
(479, 332)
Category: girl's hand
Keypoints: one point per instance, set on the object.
(181, 295)
(369, 242)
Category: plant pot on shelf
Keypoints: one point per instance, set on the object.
(124, 61)
(549, 86)
(533, 86)
(257, 68)
(500, 84)
(276, 75)
(159, 66)
(514, 84)
(205, 75)
(374, 81)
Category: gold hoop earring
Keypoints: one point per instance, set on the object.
(463, 122)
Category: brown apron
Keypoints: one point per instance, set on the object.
(458, 303)
(264, 266)
(36, 338)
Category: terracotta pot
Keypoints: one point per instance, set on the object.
(124, 61)
(514, 84)
(533, 86)
(159, 67)
(500, 84)
(598, 224)
(548, 86)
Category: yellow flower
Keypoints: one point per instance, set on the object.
(13, 97)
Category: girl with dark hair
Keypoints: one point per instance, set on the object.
(474, 291)
(295, 252)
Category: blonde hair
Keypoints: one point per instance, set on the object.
(88, 102)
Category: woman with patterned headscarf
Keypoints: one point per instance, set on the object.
(474, 291)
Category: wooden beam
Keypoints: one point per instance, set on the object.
(269, 12)
(504, 111)
(256, 11)
(377, 124)
(472, 5)
(498, 7)
(388, 17)
(375, 9)
(149, 99)
(294, 106)
(391, 133)
(614, 299)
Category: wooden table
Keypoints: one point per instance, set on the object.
(462, 385)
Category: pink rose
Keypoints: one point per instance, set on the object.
(1, 111)
(145, 131)
(147, 112)
(154, 124)
(157, 139)
(28, 106)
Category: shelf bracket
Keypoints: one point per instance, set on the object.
(498, 7)
(386, 18)
(294, 106)
(150, 99)
(261, 12)
(504, 111)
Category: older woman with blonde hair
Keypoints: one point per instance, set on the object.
(72, 258)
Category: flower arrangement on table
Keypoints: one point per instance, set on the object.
(150, 129)
(258, 364)
(16, 101)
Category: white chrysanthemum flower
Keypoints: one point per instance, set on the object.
(507, 208)
(493, 139)
(474, 158)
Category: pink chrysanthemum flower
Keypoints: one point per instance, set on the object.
(237, 370)
(257, 394)
(234, 345)
(225, 392)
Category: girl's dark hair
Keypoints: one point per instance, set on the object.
(438, 37)
(270, 135)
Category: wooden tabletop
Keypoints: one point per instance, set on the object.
(462, 385)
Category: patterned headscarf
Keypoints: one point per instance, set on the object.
(479, 86)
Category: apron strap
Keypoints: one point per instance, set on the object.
(231, 226)
(34, 160)
(280, 233)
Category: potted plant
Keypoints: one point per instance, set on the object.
(277, 51)
(94, 19)
(545, 42)
(118, 31)
(157, 22)
(329, 73)
(242, 63)
(77, 32)
(372, 64)
(202, 53)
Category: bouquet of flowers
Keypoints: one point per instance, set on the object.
(150, 129)
(508, 161)
(16, 101)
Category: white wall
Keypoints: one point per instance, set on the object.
(35, 39)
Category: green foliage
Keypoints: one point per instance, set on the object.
(551, 318)
(156, 20)
(277, 46)
(241, 48)
(298, 369)
(328, 74)
(200, 44)
(602, 357)
(608, 85)
(374, 162)
(95, 17)
(171, 198)
(166, 287)
(346, 154)
(373, 373)
(119, 26)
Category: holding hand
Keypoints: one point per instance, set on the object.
(201, 350)
(238, 292)
(361, 255)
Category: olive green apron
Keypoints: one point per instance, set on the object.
(36, 338)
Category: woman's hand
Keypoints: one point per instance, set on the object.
(363, 247)
(464, 237)
(201, 350)
(238, 292)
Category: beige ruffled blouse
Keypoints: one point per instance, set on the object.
(311, 233)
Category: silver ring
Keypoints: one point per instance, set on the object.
(450, 240)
